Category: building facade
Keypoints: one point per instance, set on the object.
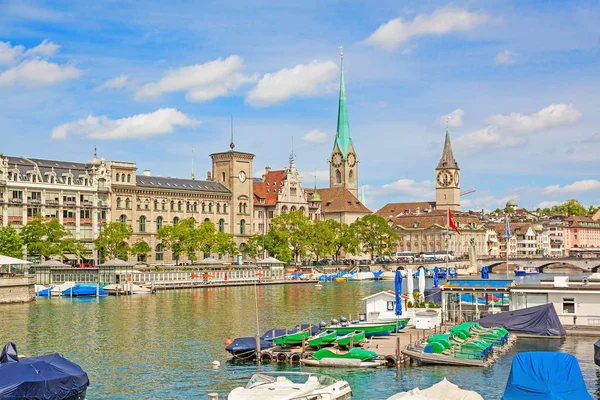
(77, 194)
(581, 232)
(556, 238)
(447, 179)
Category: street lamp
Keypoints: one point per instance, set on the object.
(510, 204)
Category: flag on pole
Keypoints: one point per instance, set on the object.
(451, 223)
(507, 228)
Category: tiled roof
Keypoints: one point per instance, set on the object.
(515, 228)
(339, 200)
(269, 189)
(161, 182)
(395, 209)
(582, 221)
(437, 217)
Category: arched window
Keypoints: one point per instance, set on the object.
(221, 225)
(164, 205)
(147, 204)
(225, 208)
(302, 209)
(351, 175)
(179, 206)
(245, 208)
(223, 176)
(159, 252)
(172, 205)
(187, 206)
(128, 178)
(142, 224)
(117, 178)
(159, 223)
(206, 219)
(284, 209)
(139, 204)
(241, 208)
(292, 208)
(338, 176)
(155, 205)
(242, 227)
(218, 207)
(203, 207)
(118, 202)
(175, 221)
(209, 207)
(195, 208)
(123, 219)
(127, 204)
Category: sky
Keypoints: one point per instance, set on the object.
(157, 84)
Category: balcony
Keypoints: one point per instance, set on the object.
(85, 221)
(51, 202)
(69, 221)
(87, 203)
(69, 203)
(33, 201)
(15, 220)
(16, 200)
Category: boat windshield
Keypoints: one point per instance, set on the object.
(295, 377)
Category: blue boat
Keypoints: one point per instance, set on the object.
(245, 347)
(84, 289)
(544, 375)
(597, 353)
(526, 271)
(442, 273)
(45, 292)
(45, 377)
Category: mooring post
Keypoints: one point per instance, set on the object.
(213, 396)
(258, 350)
(97, 290)
(410, 338)
(303, 345)
(398, 352)
(351, 342)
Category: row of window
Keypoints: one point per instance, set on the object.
(121, 178)
(51, 177)
(189, 206)
(160, 222)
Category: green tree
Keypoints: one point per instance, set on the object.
(276, 245)
(375, 235)
(224, 244)
(46, 238)
(140, 249)
(254, 246)
(182, 238)
(322, 237)
(112, 241)
(11, 243)
(345, 238)
(293, 228)
(205, 238)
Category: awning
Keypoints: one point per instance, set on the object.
(71, 257)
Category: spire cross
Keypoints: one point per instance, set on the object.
(447, 121)
(231, 144)
(341, 51)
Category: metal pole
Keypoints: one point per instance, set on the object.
(447, 239)
(507, 240)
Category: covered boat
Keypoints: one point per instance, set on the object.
(355, 358)
(45, 377)
(442, 390)
(84, 289)
(323, 338)
(369, 328)
(357, 337)
(355, 353)
(538, 321)
(245, 347)
(291, 339)
(545, 375)
(597, 353)
(126, 288)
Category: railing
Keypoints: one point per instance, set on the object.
(33, 201)
(85, 221)
(70, 203)
(51, 202)
(15, 220)
(69, 221)
(87, 203)
(15, 200)
(203, 277)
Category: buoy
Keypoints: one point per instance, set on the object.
(216, 364)
(318, 286)
(228, 341)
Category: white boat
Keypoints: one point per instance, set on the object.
(443, 390)
(57, 290)
(291, 385)
(363, 276)
(112, 289)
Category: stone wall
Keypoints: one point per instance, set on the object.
(17, 289)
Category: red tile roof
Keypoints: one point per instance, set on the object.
(269, 188)
(436, 217)
(335, 200)
(395, 209)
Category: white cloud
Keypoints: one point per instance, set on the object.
(140, 126)
(455, 118)
(506, 57)
(38, 73)
(486, 138)
(302, 80)
(548, 204)
(44, 49)
(202, 82)
(487, 203)
(114, 83)
(548, 117)
(315, 136)
(575, 187)
(308, 178)
(407, 188)
(390, 35)
(10, 54)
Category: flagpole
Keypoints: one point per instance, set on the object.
(447, 238)
(507, 242)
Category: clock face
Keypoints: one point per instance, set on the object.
(456, 178)
(336, 160)
(351, 159)
(444, 178)
(242, 176)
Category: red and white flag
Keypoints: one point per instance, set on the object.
(451, 223)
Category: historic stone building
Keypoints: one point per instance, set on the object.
(447, 179)
(77, 194)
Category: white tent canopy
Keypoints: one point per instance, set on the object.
(210, 261)
(116, 262)
(270, 260)
(6, 260)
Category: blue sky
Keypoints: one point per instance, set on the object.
(146, 81)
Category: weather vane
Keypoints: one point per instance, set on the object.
(341, 51)
(447, 121)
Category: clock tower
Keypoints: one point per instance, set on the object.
(447, 179)
(343, 163)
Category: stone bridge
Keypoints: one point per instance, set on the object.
(574, 263)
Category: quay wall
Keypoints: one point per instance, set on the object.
(17, 289)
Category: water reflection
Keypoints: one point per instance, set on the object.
(162, 346)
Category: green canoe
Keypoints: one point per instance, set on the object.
(369, 329)
(354, 354)
(358, 337)
(322, 338)
(291, 339)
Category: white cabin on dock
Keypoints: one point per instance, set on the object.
(381, 306)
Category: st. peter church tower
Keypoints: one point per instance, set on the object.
(447, 179)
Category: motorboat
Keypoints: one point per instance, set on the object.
(84, 289)
(443, 390)
(245, 347)
(526, 271)
(291, 339)
(58, 289)
(344, 359)
(291, 385)
(127, 289)
(45, 377)
(370, 329)
(323, 338)
(355, 338)
(43, 291)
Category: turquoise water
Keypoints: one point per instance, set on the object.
(162, 346)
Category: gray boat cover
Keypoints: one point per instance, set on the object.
(539, 320)
(597, 353)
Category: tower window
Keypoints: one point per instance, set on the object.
(351, 175)
(223, 176)
(338, 176)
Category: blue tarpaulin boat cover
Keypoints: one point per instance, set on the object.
(46, 377)
(597, 353)
(246, 345)
(539, 320)
(545, 375)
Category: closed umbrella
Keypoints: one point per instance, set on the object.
(410, 285)
(436, 278)
(422, 282)
(398, 289)
(485, 272)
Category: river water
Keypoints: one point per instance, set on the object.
(162, 346)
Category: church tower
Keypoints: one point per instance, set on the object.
(447, 187)
(343, 164)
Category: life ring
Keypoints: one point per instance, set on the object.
(295, 357)
(390, 361)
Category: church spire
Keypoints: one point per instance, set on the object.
(342, 136)
(447, 160)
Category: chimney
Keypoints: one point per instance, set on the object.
(208, 177)
(267, 170)
(146, 172)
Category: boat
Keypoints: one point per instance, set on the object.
(43, 291)
(354, 353)
(538, 321)
(443, 390)
(45, 377)
(357, 338)
(136, 289)
(363, 276)
(245, 347)
(340, 279)
(526, 271)
(597, 353)
(541, 375)
(58, 289)
(84, 289)
(370, 329)
(323, 338)
(291, 339)
(318, 286)
(291, 385)
(399, 324)
(355, 358)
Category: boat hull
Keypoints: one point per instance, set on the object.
(343, 363)
(324, 338)
(357, 338)
(368, 329)
(353, 354)
(293, 339)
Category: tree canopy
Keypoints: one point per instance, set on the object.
(376, 237)
(47, 238)
(11, 243)
(112, 240)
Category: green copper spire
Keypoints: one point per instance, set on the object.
(342, 136)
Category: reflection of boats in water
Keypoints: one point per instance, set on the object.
(291, 385)
(526, 271)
